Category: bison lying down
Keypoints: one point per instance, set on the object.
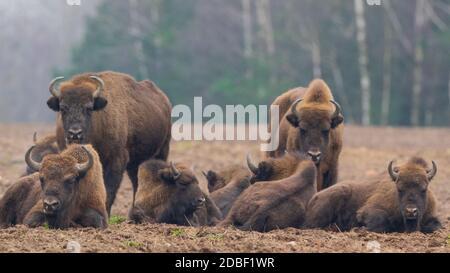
(68, 191)
(170, 193)
(227, 185)
(269, 205)
(42, 147)
(398, 202)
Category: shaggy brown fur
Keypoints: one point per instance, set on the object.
(218, 180)
(162, 197)
(278, 204)
(313, 130)
(82, 196)
(225, 196)
(42, 147)
(127, 124)
(380, 205)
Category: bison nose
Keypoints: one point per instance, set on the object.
(51, 205)
(315, 156)
(75, 134)
(201, 201)
(411, 213)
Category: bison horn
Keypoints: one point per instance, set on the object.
(35, 137)
(294, 106)
(53, 90)
(431, 173)
(205, 174)
(392, 172)
(35, 166)
(86, 166)
(251, 165)
(175, 171)
(338, 108)
(101, 86)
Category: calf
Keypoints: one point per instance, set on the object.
(67, 191)
(398, 201)
(278, 204)
(170, 193)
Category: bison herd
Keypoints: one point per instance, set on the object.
(108, 123)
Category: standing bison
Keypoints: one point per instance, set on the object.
(67, 190)
(126, 121)
(399, 201)
(313, 125)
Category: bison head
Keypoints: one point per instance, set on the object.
(185, 194)
(412, 185)
(313, 125)
(59, 176)
(76, 105)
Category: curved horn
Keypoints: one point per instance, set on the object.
(53, 90)
(35, 166)
(101, 86)
(175, 171)
(338, 108)
(392, 172)
(294, 106)
(86, 166)
(431, 173)
(251, 165)
(34, 137)
(205, 174)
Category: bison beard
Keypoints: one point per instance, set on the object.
(126, 121)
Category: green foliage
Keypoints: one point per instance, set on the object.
(116, 220)
(177, 232)
(134, 244)
(195, 48)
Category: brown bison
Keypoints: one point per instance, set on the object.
(399, 201)
(171, 194)
(278, 204)
(42, 147)
(312, 125)
(233, 181)
(67, 191)
(126, 121)
(218, 180)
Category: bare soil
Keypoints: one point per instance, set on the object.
(366, 152)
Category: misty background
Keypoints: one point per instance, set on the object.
(386, 65)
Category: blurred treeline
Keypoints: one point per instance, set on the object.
(387, 64)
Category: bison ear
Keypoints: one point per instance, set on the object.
(99, 103)
(293, 119)
(336, 121)
(166, 175)
(53, 103)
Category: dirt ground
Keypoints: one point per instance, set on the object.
(366, 152)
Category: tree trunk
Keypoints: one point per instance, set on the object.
(247, 27)
(339, 86)
(316, 59)
(363, 61)
(386, 94)
(418, 62)
(265, 23)
(136, 34)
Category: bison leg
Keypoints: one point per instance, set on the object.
(35, 217)
(327, 208)
(376, 220)
(113, 174)
(164, 150)
(431, 225)
(132, 171)
(92, 218)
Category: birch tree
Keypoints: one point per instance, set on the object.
(363, 61)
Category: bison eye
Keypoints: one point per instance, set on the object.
(302, 131)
